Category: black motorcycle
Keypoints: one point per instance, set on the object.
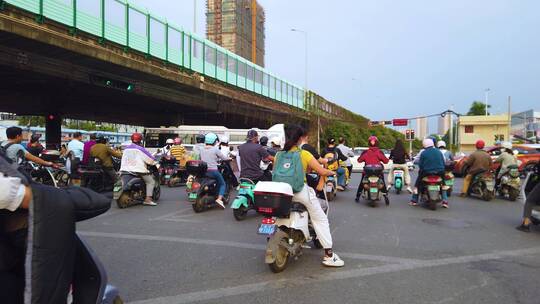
(93, 175)
(202, 190)
(131, 190)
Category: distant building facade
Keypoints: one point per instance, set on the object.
(237, 25)
(492, 129)
(421, 128)
(443, 125)
(526, 124)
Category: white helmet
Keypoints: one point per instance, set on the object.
(169, 141)
(427, 142)
(224, 139)
(441, 143)
(276, 141)
(507, 145)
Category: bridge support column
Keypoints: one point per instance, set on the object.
(53, 131)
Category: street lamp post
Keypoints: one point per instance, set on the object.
(487, 96)
(306, 82)
(195, 16)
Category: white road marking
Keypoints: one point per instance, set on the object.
(330, 276)
(262, 246)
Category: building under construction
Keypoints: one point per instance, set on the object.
(237, 25)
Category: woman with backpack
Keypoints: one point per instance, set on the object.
(296, 136)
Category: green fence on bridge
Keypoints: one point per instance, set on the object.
(135, 28)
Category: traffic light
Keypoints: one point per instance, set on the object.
(412, 134)
(113, 83)
(408, 134)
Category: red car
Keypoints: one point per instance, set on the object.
(528, 156)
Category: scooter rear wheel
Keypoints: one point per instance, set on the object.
(513, 194)
(280, 263)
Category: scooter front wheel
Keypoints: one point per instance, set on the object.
(240, 213)
(124, 201)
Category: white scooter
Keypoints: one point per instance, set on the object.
(285, 223)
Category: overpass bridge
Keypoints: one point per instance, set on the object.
(115, 62)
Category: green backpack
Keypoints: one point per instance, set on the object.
(288, 169)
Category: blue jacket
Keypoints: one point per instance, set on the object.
(431, 161)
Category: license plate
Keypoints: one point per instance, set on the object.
(167, 176)
(117, 188)
(434, 188)
(329, 189)
(267, 229)
(373, 190)
(398, 174)
(449, 182)
(193, 195)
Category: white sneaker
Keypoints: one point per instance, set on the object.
(149, 203)
(220, 203)
(340, 188)
(409, 189)
(333, 261)
(389, 187)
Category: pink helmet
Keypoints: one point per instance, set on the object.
(373, 141)
(178, 141)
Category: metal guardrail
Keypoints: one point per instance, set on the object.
(134, 28)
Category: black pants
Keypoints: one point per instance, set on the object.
(350, 169)
(532, 202)
(111, 173)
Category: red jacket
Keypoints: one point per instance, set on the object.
(373, 156)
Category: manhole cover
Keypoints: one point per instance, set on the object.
(447, 223)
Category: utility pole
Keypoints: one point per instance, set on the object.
(194, 16)
(487, 96)
(509, 119)
(451, 131)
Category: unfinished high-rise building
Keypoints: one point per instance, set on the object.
(237, 25)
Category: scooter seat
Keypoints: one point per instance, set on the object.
(297, 207)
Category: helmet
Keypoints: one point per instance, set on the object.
(427, 142)
(263, 141)
(507, 145)
(210, 139)
(102, 140)
(441, 144)
(276, 141)
(136, 138)
(200, 138)
(373, 141)
(178, 141)
(331, 141)
(169, 141)
(224, 139)
(480, 144)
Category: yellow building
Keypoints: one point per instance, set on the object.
(492, 129)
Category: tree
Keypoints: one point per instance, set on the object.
(478, 108)
(31, 121)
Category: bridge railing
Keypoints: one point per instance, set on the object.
(134, 28)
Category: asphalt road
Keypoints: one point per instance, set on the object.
(470, 253)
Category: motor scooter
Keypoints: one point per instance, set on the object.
(431, 196)
(244, 200)
(130, 189)
(202, 190)
(483, 185)
(398, 179)
(510, 183)
(372, 184)
(449, 177)
(286, 224)
(330, 182)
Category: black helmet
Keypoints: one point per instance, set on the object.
(263, 141)
(200, 138)
(101, 139)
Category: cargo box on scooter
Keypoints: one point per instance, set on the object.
(196, 167)
(273, 198)
(50, 155)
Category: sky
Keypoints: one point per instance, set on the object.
(389, 59)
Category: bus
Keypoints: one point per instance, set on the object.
(154, 138)
(115, 138)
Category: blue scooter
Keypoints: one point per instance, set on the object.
(244, 200)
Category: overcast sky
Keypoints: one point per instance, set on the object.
(388, 58)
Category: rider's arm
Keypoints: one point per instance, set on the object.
(220, 155)
(36, 159)
(270, 158)
(382, 157)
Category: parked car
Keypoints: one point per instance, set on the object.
(528, 155)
